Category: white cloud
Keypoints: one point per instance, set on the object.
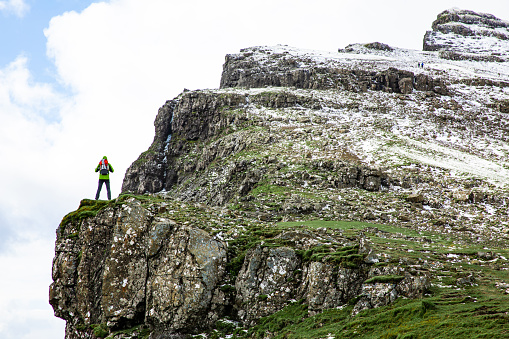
(28, 112)
(17, 7)
(29, 129)
(24, 309)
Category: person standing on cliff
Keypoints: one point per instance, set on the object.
(104, 168)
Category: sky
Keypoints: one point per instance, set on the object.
(83, 79)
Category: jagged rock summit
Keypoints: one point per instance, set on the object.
(467, 35)
(314, 194)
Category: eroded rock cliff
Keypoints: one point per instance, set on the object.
(467, 35)
(162, 266)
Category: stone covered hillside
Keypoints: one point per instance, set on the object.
(313, 195)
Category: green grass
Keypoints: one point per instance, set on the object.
(100, 330)
(449, 310)
(445, 315)
(384, 279)
(88, 208)
(349, 225)
(346, 256)
(264, 189)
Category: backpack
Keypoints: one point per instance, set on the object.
(104, 167)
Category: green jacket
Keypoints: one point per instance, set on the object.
(107, 176)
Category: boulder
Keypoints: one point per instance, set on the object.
(384, 285)
(406, 85)
(265, 284)
(461, 196)
(415, 198)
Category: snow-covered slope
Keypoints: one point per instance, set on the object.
(465, 131)
(412, 120)
(462, 34)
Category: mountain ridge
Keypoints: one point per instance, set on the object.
(314, 194)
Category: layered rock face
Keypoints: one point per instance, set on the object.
(467, 35)
(205, 127)
(259, 67)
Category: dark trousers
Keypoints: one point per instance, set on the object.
(107, 182)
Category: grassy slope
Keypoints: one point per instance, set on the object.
(452, 310)
(463, 302)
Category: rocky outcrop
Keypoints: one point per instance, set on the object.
(135, 265)
(203, 127)
(467, 35)
(247, 70)
(194, 116)
(126, 267)
(358, 48)
(258, 67)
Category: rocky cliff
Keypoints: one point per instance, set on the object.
(313, 195)
(150, 263)
(467, 35)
